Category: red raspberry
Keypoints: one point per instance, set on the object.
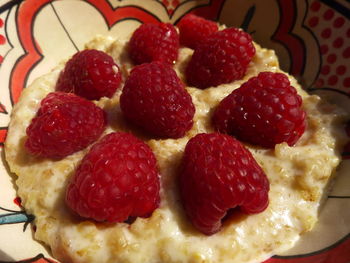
(64, 124)
(218, 174)
(265, 110)
(194, 29)
(117, 179)
(155, 99)
(154, 42)
(222, 58)
(91, 74)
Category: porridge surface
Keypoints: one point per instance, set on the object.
(298, 177)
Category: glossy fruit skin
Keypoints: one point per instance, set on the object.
(195, 29)
(91, 74)
(155, 99)
(222, 58)
(117, 179)
(64, 124)
(154, 42)
(266, 110)
(219, 174)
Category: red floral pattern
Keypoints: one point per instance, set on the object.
(326, 23)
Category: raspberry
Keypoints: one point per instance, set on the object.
(155, 99)
(222, 58)
(219, 174)
(91, 74)
(64, 124)
(117, 179)
(194, 29)
(265, 110)
(154, 42)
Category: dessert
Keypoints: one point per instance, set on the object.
(298, 176)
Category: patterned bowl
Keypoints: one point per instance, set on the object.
(310, 37)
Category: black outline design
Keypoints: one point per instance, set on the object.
(5, 55)
(311, 89)
(124, 19)
(248, 18)
(290, 32)
(63, 26)
(338, 7)
(3, 109)
(25, 51)
(177, 7)
(9, 5)
(278, 41)
(339, 196)
(345, 155)
(31, 260)
(196, 7)
(30, 218)
(166, 9)
(340, 241)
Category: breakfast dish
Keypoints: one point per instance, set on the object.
(282, 193)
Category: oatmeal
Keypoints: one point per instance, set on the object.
(298, 178)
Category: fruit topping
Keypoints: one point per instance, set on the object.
(155, 99)
(91, 74)
(219, 174)
(222, 58)
(65, 123)
(117, 179)
(265, 110)
(154, 42)
(195, 29)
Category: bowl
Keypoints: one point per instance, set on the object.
(311, 39)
